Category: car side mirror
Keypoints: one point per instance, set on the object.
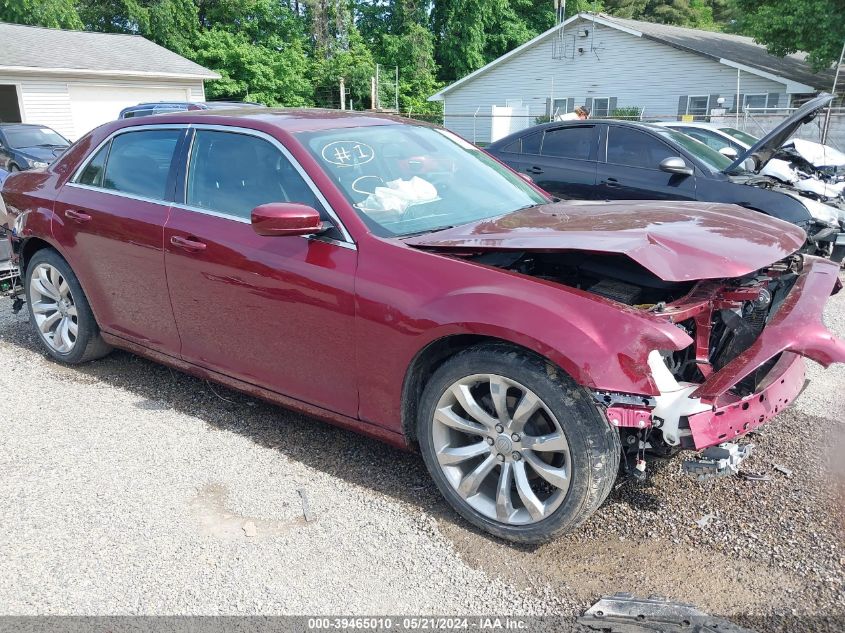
(286, 218)
(526, 177)
(729, 152)
(676, 165)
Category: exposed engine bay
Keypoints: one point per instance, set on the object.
(723, 317)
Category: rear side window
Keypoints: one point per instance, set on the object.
(93, 174)
(570, 142)
(135, 113)
(233, 173)
(626, 146)
(139, 163)
(531, 143)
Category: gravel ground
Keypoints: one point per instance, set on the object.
(128, 488)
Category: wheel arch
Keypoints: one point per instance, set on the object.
(431, 357)
(29, 247)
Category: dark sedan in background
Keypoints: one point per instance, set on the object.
(165, 107)
(24, 146)
(620, 160)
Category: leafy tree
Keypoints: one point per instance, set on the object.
(253, 72)
(57, 14)
(353, 61)
(413, 53)
(692, 13)
(788, 26)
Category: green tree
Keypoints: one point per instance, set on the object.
(170, 23)
(692, 13)
(788, 26)
(351, 59)
(56, 14)
(254, 72)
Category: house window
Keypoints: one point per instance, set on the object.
(697, 106)
(560, 106)
(755, 101)
(601, 108)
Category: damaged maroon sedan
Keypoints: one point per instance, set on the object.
(391, 278)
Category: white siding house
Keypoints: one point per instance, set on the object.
(73, 81)
(609, 63)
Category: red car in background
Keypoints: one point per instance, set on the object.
(391, 278)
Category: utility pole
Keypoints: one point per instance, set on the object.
(396, 97)
(342, 94)
(738, 104)
(372, 93)
(378, 91)
(833, 92)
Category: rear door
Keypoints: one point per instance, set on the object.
(631, 170)
(565, 165)
(277, 312)
(109, 221)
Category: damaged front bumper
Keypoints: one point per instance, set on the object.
(700, 415)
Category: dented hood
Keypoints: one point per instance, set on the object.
(677, 241)
(763, 150)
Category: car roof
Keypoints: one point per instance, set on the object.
(156, 103)
(700, 124)
(641, 125)
(291, 120)
(11, 125)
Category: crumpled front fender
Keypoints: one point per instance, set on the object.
(797, 327)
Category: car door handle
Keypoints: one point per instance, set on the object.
(610, 182)
(186, 244)
(534, 170)
(77, 216)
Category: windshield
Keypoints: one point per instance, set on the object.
(739, 135)
(707, 155)
(33, 137)
(407, 179)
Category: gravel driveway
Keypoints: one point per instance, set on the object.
(128, 488)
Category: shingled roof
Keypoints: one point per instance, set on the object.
(736, 48)
(41, 50)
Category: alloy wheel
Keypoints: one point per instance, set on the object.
(53, 308)
(501, 449)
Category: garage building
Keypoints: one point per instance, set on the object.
(73, 81)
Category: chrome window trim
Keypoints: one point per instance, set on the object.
(119, 194)
(348, 242)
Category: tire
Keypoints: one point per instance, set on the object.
(49, 276)
(578, 469)
(13, 168)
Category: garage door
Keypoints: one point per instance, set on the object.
(94, 105)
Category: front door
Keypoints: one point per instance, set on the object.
(110, 224)
(276, 312)
(632, 170)
(566, 164)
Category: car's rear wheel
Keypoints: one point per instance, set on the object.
(515, 446)
(59, 310)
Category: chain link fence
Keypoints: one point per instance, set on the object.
(477, 126)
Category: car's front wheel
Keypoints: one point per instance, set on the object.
(515, 446)
(59, 310)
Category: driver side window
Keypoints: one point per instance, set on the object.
(633, 148)
(232, 173)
